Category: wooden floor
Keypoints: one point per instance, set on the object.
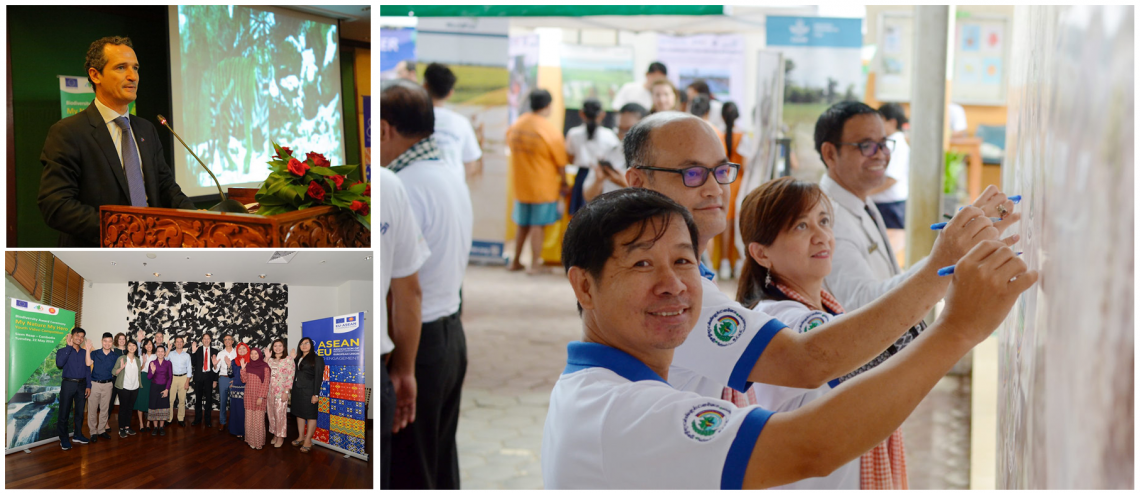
(190, 457)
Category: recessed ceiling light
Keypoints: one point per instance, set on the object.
(261, 276)
(208, 274)
(368, 257)
(151, 255)
(322, 261)
(155, 274)
(114, 263)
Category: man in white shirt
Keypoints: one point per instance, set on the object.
(222, 360)
(403, 251)
(453, 132)
(890, 197)
(183, 374)
(850, 138)
(632, 92)
(104, 155)
(679, 155)
(615, 422)
(424, 454)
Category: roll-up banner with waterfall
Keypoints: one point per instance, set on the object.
(36, 332)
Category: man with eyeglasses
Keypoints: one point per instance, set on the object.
(675, 154)
(852, 140)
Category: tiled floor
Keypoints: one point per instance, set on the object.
(517, 329)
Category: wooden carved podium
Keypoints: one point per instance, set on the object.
(324, 226)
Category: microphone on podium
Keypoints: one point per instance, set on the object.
(226, 205)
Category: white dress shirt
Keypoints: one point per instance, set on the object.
(109, 116)
(863, 265)
(223, 367)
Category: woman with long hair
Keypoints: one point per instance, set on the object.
(310, 371)
(786, 227)
(724, 245)
(585, 146)
(664, 96)
(161, 375)
(142, 401)
(237, 391)
(279, 386)
(256, 376)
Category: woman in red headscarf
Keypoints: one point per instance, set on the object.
(237, 391)
(256, 376)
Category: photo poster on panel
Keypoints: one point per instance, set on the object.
(76, 94)
(822, 66)
(476, 49)
(594, 72)
(396, 45)
(979, 61)
(760, 147)
(522, 64)
(36, 332)
(718, 59)
(341, 405)
(894, 58)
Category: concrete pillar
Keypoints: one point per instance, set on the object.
(929, 133)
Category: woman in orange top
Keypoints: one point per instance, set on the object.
(724, 244)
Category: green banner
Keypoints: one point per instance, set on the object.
(36, 332)
(76, 94)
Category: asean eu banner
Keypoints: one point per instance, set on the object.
(36, 332)
(340, 405)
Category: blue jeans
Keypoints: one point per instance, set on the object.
(224, 396)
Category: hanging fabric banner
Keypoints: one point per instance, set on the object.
(341, 402)
(36, 332)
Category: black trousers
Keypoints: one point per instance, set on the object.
(203, 396)
(126, 405)
(71, 400)
(387, 415)
(424, 454)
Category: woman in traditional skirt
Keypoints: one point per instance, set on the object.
(142, 402)
(256, 374)
(237, 392)
(160, 372)
(280, 384)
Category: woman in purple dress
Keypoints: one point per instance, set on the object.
(161, 374)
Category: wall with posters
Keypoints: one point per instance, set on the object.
(396, 45)
(716, 58)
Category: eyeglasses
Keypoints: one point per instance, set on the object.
(871, 148)
(695, 176)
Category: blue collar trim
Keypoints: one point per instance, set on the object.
(706, 272)
(584, 355)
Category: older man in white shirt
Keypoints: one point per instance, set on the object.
(852, 140)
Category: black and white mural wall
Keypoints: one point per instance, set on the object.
(253, 313)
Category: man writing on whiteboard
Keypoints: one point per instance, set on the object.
(103, 155)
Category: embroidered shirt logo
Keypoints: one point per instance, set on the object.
(725, 327)
(813, 320)
(703, 422)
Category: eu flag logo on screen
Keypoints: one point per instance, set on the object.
(71, 82)
(21, 304)
(340, 320)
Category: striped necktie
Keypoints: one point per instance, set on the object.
(132, 165)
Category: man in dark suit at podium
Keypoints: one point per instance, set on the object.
(104, 155)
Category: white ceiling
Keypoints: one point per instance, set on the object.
(305, 269)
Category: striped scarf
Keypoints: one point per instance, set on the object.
(881, 468)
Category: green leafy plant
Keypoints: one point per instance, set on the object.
(296, 185)
(952, 172)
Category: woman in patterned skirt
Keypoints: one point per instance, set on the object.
(161, 374)
(280, 384)
(236, 420)
(256, 376)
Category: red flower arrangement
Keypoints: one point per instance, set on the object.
(295, 185)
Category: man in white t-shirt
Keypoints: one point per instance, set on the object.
(424, 454)
(890, 197)
(614, 420)
(453, 132)
(681, 156)
(632, 92)
(403, 251)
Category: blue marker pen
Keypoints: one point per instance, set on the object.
(1016, 199)
(938, 226)
(945, 271)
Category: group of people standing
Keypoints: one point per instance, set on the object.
(149, 378)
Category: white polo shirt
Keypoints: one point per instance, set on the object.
(403, 249)
(615, 424)
(801, 319)
(863, 265)
(456, 139)
(441, 204)
(726, 342)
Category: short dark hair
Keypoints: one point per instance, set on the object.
(97, 58)
(439, 80)
(701, 87)
(207, 334)
(829, 126)
(78, 330)
(407, 107)
(634, 108)
(177, 337)
(539, 99)
(894, 111)
(657, 67)
(409, 65)
(589, 240)
(699, 106)
(108, 335)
